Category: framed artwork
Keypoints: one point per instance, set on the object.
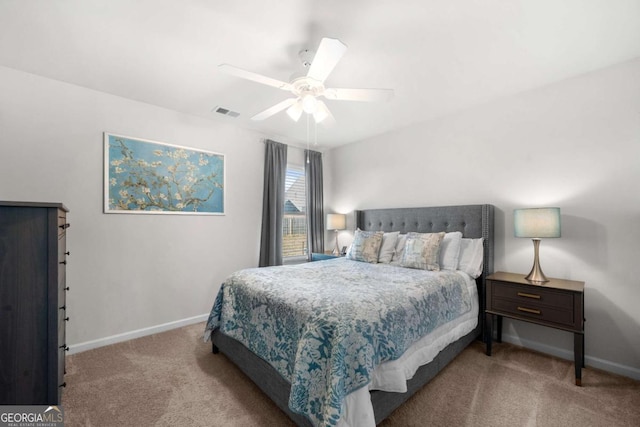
(149, 177)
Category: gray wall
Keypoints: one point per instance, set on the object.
(576, 145)
(128, 274)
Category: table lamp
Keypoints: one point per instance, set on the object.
(537, 223)
(336, 222)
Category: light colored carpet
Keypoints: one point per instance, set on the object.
(173, 379)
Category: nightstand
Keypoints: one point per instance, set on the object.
(316, 256)
(557, 304)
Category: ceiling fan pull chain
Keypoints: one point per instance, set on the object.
(315, 133)
(308, 138)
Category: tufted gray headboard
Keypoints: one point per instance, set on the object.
(474, 221)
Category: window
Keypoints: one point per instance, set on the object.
(294, 226)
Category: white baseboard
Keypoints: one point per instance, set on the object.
(594, 362)
(113, 339)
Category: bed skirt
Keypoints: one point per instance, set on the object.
(277, 388)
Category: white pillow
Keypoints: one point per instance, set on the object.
(399, 251)
(471, 254)
(450, 251)
(388, 246)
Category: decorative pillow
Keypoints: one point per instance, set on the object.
(471, 254)
(366, 246)
(399, 251)
(450, 251)
(388, 246)
(422, 251)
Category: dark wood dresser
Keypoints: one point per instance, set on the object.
(33, 259)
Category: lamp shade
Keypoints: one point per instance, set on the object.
(321, 113)
(295, 111)
(537, 222)
(336, 221)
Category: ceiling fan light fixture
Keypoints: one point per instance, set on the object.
(309, 104)
(321, 113)
(295, 111)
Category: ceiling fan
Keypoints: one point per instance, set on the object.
(308, 87)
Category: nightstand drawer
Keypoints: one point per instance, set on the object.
(537, 296)
(537, 312)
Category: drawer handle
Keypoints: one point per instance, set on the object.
(64, 384)
(66, 319)
(64, 346)
(529, 310)
(522, 294)
(63, 262)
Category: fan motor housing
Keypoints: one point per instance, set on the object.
(307, 86)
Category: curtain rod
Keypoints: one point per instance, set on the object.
(264, 141)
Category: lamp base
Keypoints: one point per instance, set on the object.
(336, 250)
(536, 274)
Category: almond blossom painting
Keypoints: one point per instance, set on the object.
(150, 177)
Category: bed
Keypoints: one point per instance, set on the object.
(291, 391)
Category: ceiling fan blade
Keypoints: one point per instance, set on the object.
(274, 109)
(259, 78)
(343, 94)
(327, 56)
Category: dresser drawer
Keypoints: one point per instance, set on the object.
(529, 295)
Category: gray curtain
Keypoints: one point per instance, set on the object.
(275, 170)
(315, 211)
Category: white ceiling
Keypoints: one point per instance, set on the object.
(440, 56)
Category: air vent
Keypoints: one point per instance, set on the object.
(226, 112)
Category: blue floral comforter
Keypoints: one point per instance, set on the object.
(325, 326)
